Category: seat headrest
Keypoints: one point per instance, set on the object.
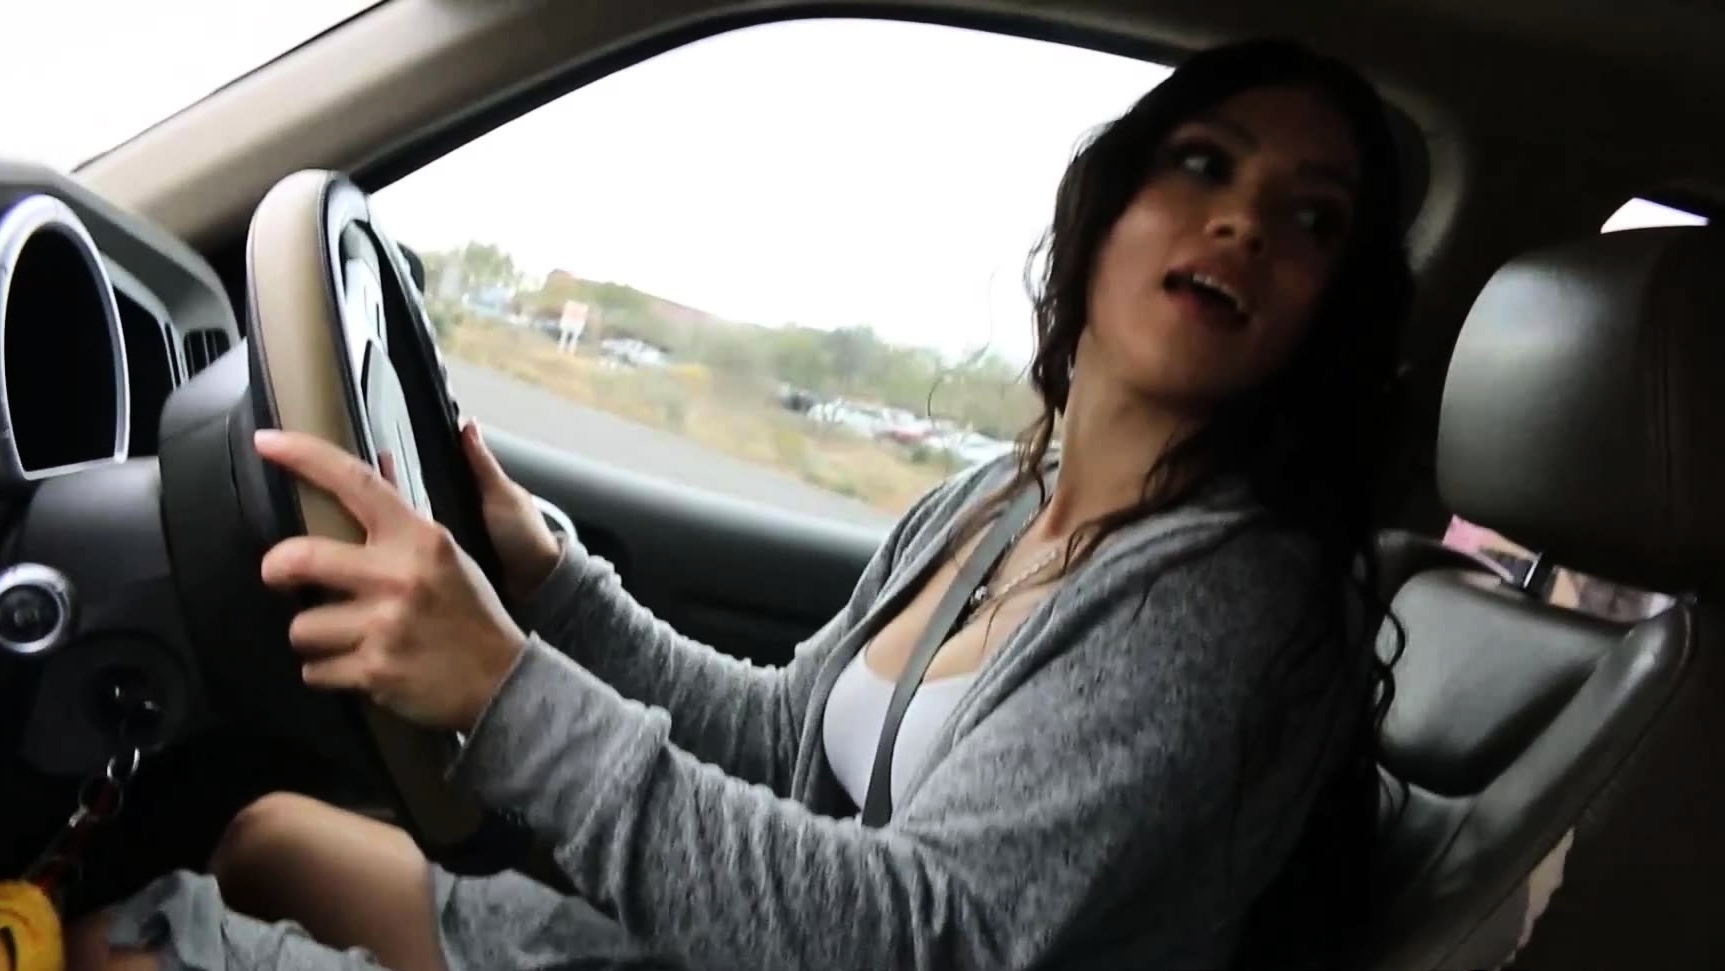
(1584, 410)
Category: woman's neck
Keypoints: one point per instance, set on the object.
(1111, 438)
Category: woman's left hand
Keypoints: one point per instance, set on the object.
(420, 630)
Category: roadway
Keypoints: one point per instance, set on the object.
(522, 408)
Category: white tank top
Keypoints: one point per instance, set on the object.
(855, 712)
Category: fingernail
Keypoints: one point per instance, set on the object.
(264, 436)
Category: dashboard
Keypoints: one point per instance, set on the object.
(102, 316)
(133, 510)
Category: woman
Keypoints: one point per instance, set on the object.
(1150, 743)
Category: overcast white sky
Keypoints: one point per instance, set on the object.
(826, 172)
(82, 75)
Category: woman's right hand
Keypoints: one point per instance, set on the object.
(525, 544)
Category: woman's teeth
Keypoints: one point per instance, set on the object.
(1212, 288)
(1212, 283)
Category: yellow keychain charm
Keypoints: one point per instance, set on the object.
(30, 936)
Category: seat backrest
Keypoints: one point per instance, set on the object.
(1509, 715)
(1579, 419)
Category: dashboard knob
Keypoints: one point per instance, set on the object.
(35, 609)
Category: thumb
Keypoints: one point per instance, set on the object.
(486, 468)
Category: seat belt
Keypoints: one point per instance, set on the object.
(877, 806)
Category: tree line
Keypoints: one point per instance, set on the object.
(983, 391)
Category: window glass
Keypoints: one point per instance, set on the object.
(1644, 213)
(1566, 587)
(784, 263)
(98, 72)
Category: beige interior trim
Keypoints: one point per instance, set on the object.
(293, 325)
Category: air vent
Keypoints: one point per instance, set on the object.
(202, 347)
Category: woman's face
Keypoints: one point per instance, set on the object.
(1210, 277)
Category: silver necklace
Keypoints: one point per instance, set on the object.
(987, 593)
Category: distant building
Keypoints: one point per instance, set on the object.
(670, 310)
(494, 302)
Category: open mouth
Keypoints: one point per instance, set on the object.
(1210, 292)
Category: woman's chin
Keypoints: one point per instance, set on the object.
(1195, 371)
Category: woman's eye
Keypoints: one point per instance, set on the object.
(1203, 161)
(1322, 221)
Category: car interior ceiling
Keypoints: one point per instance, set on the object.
(1535, 121)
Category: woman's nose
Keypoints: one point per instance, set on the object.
(1238, 224)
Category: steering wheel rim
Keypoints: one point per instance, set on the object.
(317, 369)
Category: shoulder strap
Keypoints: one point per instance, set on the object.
(877, 807)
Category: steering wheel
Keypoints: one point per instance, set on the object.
(341, 348)
(174, 634)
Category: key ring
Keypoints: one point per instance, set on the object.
(101, 797)
(112, 773)
(99, 800)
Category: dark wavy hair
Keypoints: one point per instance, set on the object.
(1313, 443)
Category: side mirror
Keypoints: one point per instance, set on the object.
(415, 267)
